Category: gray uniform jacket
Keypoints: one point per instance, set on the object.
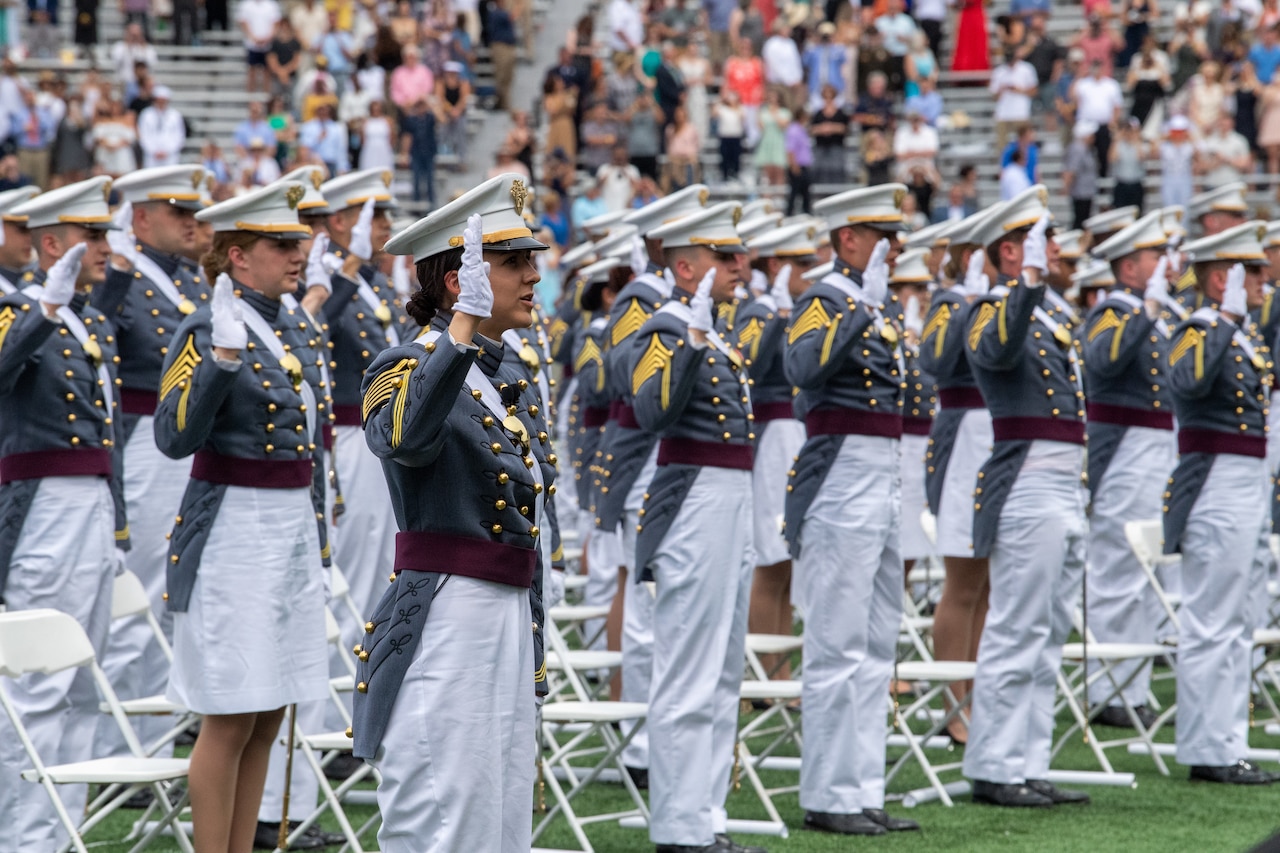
(590, 407)
(760, 334)
(54, 417)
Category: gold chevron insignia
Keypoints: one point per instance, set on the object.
(749, 337)
(1186, 282)
(814, 317)
(656, 359)
(629, 323)
(179, 375)
(1110, 319)
(590, 354)
(938, 325)
(986, 313)
(1191, 339)
(6, 322)
(382, 387)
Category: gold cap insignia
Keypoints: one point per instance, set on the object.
(208, 183)
(196, 177)
(106, 192)
(1177, 214)
(703, 197)
(519, 194)
(737, 216)
(293, 195)
(1043, 195)
(386, 178)
(317, 178)
(899, 196)
(812, 232)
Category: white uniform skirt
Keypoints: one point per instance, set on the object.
(974, 441)
(253, 636)
(915, 544)
(776, 450)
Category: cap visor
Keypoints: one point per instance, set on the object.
(887, 227)
(517, 244)
(729, 249)
(282, 235)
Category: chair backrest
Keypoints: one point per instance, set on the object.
(44, 641)
(332, 633)
(338, 586)
(1146, 538)
(929, 525)
(128, 596)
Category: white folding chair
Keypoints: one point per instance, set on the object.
(934, 679)
(329, 745)
(49, 641)
(340, 594)
(1146, 539)
(770, 644)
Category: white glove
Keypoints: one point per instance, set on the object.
(781, 291)
(700, 305)
(317, 273)
(759, 282)
(875, 278)
(976, 282)
(639, 257)
(1036, 246)
(229, 331)
(1157, 289)
(60, 283)
(400, 276)
(1174, 256)
(946, 262)
(476, 295)
(553, 592)
(362, 233)
(1233, 298)
(912, 318)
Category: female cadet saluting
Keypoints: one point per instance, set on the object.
(245, 579)
(445, 705)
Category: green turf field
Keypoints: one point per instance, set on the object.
(1160, 814)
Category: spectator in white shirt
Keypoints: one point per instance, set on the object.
(783, 68)
(1098, 100)
(1013, 82)
(161, 131)
(618, 180)
(310, 22)
(915, 150)
(626, 27)
(257, 19)
(132, 49)
(1223, 157)
(897, 27)
(1013, 177)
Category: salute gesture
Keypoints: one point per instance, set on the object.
(121, 239)
(701, 307)
(639, 258)
(1157, 292)
(320, 265)
(1035, 248)
(875, 278)
(475, 295)
(229, 332)
(781, 291)
(1234, 305)
(976, 283)
(362, 233)
(60, 282)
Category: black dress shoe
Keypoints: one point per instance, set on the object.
(267, 836)
(1012, 796)
(727, 843)
(842, 824)
(1060, 796)
(639, 777)
(140, 800)
(1117, 717)
(341, 767)
(1240, 773)
(889, 822)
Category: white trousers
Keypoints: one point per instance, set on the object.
(703, 570)
(851, 568)
(604, 556)
(304, 787)
(776, 449)
(134, 663)
(1222, 571)
(637, 641)
(1122, 606)
(365, 546)
(1036, 566)
(915, 544)
(955, 508)
(458, 758)
(64, 560)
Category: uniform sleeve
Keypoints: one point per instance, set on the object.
(996, 328)
(942, 339)
(111, 296)
(539, 615)
(588, 366)
(1268, 316)
(23, 330)
(408, 393)
(193, 386)
(820, 335)
(1196, 357)
(664, 376)
(1114, 335)
(760, 340)
(343, 290)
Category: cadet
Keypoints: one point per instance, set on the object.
(1213, 211)
(1220, 374)
(447, 714)
(1070, 255)
(147, 295)
(361, 327)
(239, 397)
(1131, 450)
(690, 389)
(1028, 509)
(58, 435)
(843, 512)
(959, 443)
(934, 240)
(15, 242)
(782, 257)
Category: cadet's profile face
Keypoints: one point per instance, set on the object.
(1217, 221)
(1273, 258)
(381, 230)
(1146, 261)
(512, 276)
(271, 267)
(729, 267)
(1253, 278)
(16, 251)
(167, 227)
(93, 266)
(1053, 257)
(933, 260)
